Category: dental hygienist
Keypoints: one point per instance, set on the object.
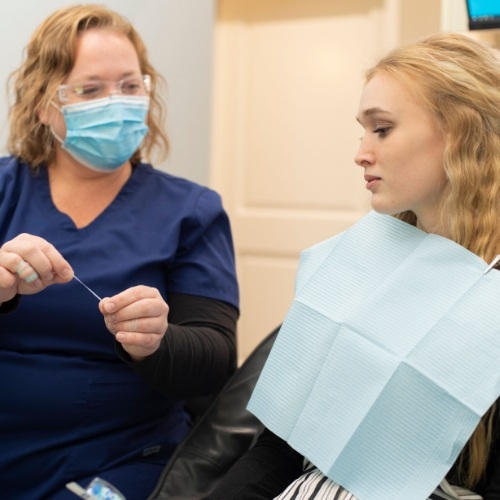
(94, 387)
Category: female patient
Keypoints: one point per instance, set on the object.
(430, 154)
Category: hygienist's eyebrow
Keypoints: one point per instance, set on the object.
(372, 111)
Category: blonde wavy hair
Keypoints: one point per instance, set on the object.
(49, 58)
(458, 79)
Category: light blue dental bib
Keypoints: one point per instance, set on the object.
(387, 359)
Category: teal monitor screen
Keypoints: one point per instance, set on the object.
(483, 14)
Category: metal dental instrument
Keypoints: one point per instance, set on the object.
(83, 284)
(495, 264)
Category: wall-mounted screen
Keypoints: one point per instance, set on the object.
(483, 14)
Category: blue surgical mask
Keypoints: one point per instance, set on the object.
(104, 133)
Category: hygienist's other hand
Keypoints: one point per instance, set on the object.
(137, 317)
(29, 264)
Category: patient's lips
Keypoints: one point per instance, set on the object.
(372, 181)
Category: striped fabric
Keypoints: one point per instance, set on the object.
(314, 485)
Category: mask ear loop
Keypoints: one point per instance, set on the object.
(50, 126)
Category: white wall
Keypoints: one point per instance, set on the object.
(454, 15)
(179, 37)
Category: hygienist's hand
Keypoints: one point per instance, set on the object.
(137, 318)
(29, 264)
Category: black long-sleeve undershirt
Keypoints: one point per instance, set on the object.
(10, 305)
(197, 353)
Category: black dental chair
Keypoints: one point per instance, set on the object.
(219, 436)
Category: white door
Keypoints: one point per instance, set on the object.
(288, 75)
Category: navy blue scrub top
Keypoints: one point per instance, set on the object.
(69, 405)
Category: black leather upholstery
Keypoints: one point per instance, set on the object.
(219, 437)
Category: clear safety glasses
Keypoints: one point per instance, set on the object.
(97, 89)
